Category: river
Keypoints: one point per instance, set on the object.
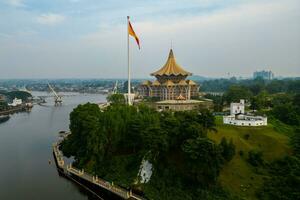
(26, 147)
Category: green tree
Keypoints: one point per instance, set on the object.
(116, 98)
(237, 92)
(3, 105)
(281, 98)
(203, 159)
(255, 103)
(227, 149)
(286, 113)
(18, 94)
(284, 181)
(255, 158)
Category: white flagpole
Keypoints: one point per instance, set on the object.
(128, 64)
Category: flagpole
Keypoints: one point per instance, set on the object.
(128, 64)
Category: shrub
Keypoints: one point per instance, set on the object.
(227, 149)
(241, 153)
(246, 136)
(255, 158)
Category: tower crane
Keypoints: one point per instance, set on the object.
(115, 89)
(57, 98)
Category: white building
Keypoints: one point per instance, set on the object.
(16, 102)
(237, 108)
(238, 117)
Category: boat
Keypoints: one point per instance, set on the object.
(4, 118)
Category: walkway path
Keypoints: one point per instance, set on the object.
(69, 169)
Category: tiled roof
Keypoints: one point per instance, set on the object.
(171, 68)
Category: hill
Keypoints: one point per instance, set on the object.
(192, 155)
(238, 176)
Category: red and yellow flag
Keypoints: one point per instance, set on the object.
(132, 33)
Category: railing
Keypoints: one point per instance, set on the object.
(125, 194)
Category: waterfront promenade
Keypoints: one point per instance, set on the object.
(69, 170)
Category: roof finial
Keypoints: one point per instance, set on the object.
(171, 44)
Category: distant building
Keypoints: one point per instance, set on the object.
(16, 102)
(266, 75)
(238, 117)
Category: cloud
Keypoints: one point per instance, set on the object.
(239, 38)
(50, 19)
(16, 3)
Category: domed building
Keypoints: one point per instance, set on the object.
(170, 83)
(171, 89)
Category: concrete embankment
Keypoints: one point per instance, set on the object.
(98, 187)
(14, 110)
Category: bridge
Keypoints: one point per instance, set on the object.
(68, 170)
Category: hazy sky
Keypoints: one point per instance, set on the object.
(87, 38)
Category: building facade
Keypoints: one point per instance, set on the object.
(238, 117)
(237, 108)
(16, 102)
(172, 90)
(266, 75)
(170, 83)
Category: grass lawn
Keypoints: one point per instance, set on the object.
(238, 176)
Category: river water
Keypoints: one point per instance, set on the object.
(26, 147)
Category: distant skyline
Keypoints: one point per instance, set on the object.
(87, 38)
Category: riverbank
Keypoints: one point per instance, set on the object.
(92, 183)
(4, 118)
(14, 110)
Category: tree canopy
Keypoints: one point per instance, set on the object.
(113, 143)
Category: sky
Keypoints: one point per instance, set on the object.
(88, 38)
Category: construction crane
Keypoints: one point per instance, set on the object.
(115, 89)
(57, 98)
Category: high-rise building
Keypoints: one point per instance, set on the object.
(266, 75)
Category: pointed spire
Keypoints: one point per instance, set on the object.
(171, 68)
(171, 54)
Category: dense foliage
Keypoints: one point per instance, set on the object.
(113, 143)
(284, 180)
(255, 85)
(16, 94)
(3, 105)
(186, 163)
(284, 175)
(116, 98)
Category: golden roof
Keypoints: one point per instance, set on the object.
(190, 82)
(168, 83)
(171, 68)
(182, 82)
(156, 83)
(147, 83)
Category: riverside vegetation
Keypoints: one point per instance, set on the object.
(194, 155)
(113, 143)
